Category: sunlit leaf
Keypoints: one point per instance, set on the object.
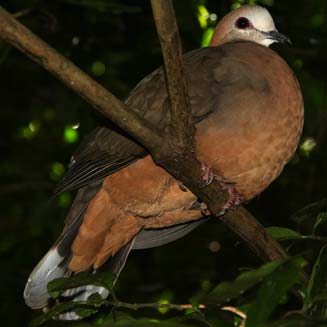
(163, 310)
(165, 298)
(307, 146)
(206, 37)
(282, 233)
(203, 16)
(70, 134)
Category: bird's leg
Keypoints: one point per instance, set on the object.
(208, 175)
(234, 198)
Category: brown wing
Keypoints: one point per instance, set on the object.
(105, 151)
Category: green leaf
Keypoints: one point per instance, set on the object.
(228, 290)
(58, 286)
(282, 234)
(321, 297)
(310, 212)
(273, 289)
(317, 285)
(206, 37)
(84, 308)
(320, 219)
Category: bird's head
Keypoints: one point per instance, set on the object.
(248, 23)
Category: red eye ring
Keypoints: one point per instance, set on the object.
(242, 23)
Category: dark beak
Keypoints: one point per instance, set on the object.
(278, 37)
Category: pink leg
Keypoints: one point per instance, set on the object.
(234, 198)
(208, 175)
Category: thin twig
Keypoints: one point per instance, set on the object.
(137, 306)
(237, 313)
(171, 306)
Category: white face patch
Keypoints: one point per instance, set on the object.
(260, 18)
(248, 23)
(261, 21)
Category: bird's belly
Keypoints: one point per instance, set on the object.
(146, 190)
(250, 158)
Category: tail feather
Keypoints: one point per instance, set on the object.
(53, 265)
(49, 268)
(114, 265)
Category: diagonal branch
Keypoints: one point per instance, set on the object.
(21, 38)
(180, 161)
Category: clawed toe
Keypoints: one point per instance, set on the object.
(208, 175)
(234, 198)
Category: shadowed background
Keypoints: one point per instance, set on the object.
(42, 122)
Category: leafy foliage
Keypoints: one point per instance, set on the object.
(58, 286)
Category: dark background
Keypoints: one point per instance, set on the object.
(42, 122)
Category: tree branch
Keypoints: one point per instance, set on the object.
(21, 38)
(181, 163)
(240, 221)
(181, 126)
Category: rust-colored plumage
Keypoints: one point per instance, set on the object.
(250, 135)
(248, 110)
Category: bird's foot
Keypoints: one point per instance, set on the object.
(234, 198)
(208, 175)
(204, 209)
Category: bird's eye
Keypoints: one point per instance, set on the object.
(242, 23)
